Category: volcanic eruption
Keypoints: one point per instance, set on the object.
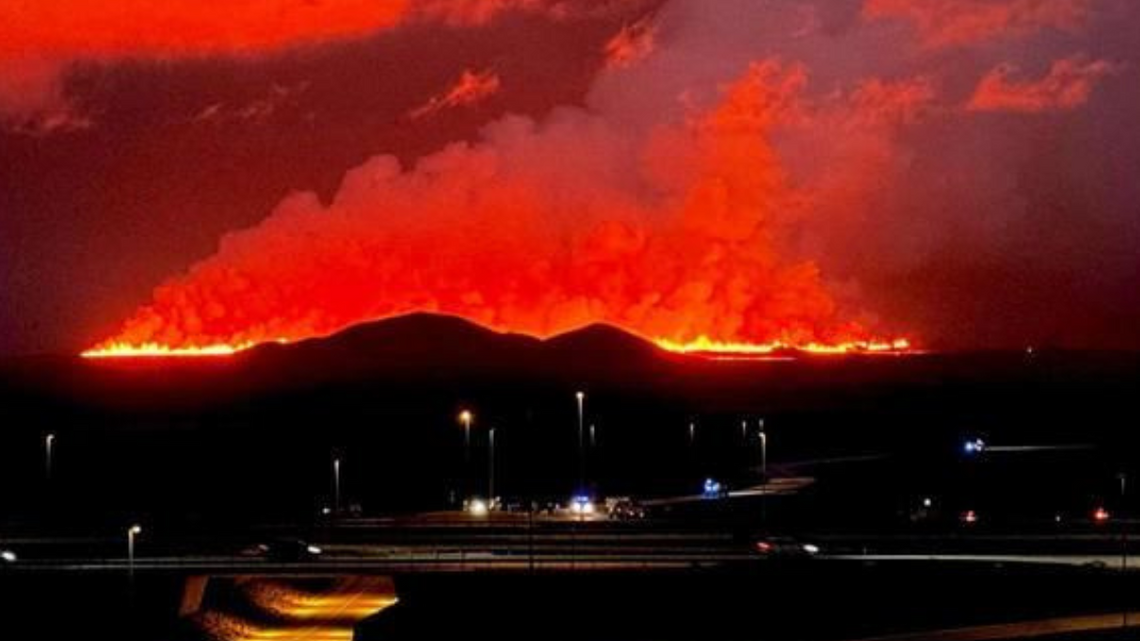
(683, 200)
(541, 227)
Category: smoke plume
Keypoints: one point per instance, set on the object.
(756, 172)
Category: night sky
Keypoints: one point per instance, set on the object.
(963, 172)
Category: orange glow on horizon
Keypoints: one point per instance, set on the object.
(705, 345)
(701, 346)
(154, 350)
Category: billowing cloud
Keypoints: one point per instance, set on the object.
(942, 23)
(472, 87)
(1066, 86)
(540, 227)
(747, 179)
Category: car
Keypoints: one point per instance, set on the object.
(627, 510)
(285, 550)
(784, 547)
(713, 489)
(582, 505)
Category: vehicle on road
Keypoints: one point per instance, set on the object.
(627, 510)
(784, 547)
(285, 550)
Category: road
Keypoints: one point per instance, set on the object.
(1023, 629)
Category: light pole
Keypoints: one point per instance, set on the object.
(491, 468)
(336, 486)
(581, 396)
(132, 532)
(1123, 543)
(465, 418)
(763, 452)
(49, 442)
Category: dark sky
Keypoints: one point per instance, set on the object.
(960, 171)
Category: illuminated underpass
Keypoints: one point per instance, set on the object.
(294, 610)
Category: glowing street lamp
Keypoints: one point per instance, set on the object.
(49, 443)
(581, 396)
(132, 532)
(465, 419)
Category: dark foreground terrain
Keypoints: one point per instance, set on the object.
(792, 601)
(209, 455)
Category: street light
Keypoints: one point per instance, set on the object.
(692, 433)
(336, 486)
(491, 466)
(1123, 540)
(49, 441)
(465, 418)
(581, 396)
(132, 532)
(763, 452)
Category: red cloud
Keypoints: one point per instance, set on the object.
(1067, 86)
(537, 228)
(633, 43)
(472, 87)
(942, 23)
(38, 40)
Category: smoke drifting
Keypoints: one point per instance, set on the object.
(472, 87)
(632, 44)
(538, 228)
(1067, 86)
(756, 172)
(944, 23)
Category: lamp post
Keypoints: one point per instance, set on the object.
(132, 532)
(581, 396)
(491, 468)
(763, 452)
(465, 418)
(49, 443)
(1123, 543)
(336, 486)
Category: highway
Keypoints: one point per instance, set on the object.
(1023, 629)
(460, 544)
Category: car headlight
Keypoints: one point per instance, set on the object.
(313, 549)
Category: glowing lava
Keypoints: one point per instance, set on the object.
(702, 346)
(154, 350)
(705, 345)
